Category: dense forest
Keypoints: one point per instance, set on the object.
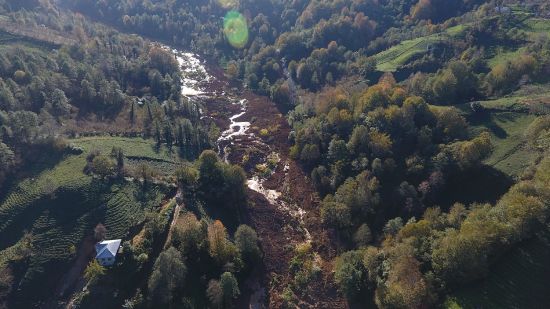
(397, 149)
(102, 78)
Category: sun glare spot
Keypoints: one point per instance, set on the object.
(235, 29)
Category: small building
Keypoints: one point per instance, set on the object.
(503, 10)
(106, 251)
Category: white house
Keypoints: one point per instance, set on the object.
(503, 10)
(106, 251)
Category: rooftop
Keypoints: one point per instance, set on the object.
(107, 248)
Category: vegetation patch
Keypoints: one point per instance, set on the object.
(510, 153)
(137, 148)
(392, 59)
(519, 280)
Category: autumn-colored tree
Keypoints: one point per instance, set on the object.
(405, 286)
(93, 272)
(214, 293)
(218, 242)
(188, 235)
(232, 70)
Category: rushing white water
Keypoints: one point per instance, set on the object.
(194, 73)
(256, 184)
(275, 198)
(236, 128)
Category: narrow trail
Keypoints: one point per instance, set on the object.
(72, 280)
(175, 216)
(284, 207)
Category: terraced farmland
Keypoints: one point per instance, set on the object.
(61, 205)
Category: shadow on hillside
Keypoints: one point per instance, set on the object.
(483, 185)
(524, 270)
(486, 119)
(37, 160)
(57, 222)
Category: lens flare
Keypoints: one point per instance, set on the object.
(235, 29)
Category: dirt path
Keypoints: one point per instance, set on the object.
(175, 216)
(73, 280)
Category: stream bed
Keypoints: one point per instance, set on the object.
(197, 86)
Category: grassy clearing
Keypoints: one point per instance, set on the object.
(532, 27)
(521, 99)
(537, 26)
(507, 119)
(502, 55)
(518, 280)
(137, 151)
(133, 147)
(510, 154)
(390, 60)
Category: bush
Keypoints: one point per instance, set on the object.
(168, 274)
(103, 166)
(246, 240)
(93, 272)
(349, 273)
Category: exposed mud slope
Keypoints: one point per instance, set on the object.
(284, 205)
(301, 214)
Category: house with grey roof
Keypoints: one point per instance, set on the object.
(106, 251)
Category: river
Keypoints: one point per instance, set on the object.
(195, 87)
(198, 87)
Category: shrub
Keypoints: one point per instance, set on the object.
(93, 272)
(350, 273)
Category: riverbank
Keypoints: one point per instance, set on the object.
(283, 205)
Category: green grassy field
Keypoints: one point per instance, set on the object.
(507, 120)
(133, 147)
(502, 55)
(67, 174)
(507, 125)
(60, 205)
(518, 280)
(396, 56)
(510, 154)
(535, 26)
(391, 59)
(136, 150)
(532, 27)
